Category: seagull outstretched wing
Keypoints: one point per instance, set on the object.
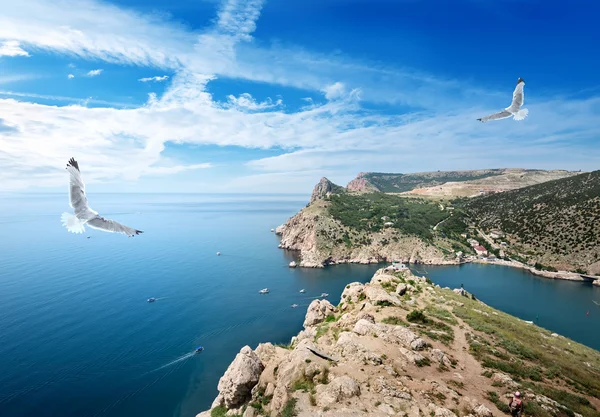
(500, 115)
(515, 106)
(518, 97)
(77, 198)
(106, 225)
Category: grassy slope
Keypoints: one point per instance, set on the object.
(397, 183)
(557, 222)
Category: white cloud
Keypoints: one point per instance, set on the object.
(156, 78)
(12, 48)
(334, 91)
(95, 72)
(336, 139)
(246, 102)
(70, 76)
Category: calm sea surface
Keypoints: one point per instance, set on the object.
(78, 338)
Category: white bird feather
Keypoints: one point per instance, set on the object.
(514, 109)
(83, 213)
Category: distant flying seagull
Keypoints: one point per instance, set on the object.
(514, 109)
(85, 215)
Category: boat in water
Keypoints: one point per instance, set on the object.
(264, 291)
(324, 294)
(151, 299)
(303, 290)
(199, 349)
(294, 305)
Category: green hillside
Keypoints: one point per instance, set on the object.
(398, 183)
(555, 223)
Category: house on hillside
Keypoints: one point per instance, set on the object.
(503, 244)
(388, 224)
(480, 250)
(495, 234)
(385, 218)
(398, 266)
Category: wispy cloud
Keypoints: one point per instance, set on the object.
(94, 73)
(332, 138)
(12, 48)
(70, 76)
(246, 102)
(156, 78)
(75, 100)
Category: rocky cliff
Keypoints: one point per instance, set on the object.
(400, 346)
(325, 188)
(322, 240)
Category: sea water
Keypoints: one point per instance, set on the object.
(78, 337)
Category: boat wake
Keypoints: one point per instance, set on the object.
(181, 358)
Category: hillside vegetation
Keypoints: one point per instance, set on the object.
(369, 212)
(554, 223)
(398, 183)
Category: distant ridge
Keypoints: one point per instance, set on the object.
(453, 183)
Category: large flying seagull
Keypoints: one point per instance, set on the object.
(85, 215)
(514, 109)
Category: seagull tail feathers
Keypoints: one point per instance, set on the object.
(521, 114)
(72, 223)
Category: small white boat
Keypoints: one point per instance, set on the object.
(264, 291)
(294, 305)
(303, 290)
(218, 253)
(272, 230)
(324, 294)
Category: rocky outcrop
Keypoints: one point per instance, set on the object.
(324, 189)
(361, 184)
(374, 355)
(242, 375)
(318, 237)
(318, 311)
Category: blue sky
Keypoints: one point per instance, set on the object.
(252, 95)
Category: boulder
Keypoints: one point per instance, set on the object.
(352, 292)
(440, 357)
(241, 376)
(504, 380)
(339, 389)
(482, 411)
(413, 357)
(318, 310)
(379, 296)
(401, 289)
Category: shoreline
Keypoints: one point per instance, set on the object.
(562, 275)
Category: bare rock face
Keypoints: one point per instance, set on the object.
(236, 384)
(351, 348)
(503, 379)
(379, 296)
(352, 292)
(318, 310)
(361, 184)
(339, 389)
(323, 188)
(440, 357)
(482, 411)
